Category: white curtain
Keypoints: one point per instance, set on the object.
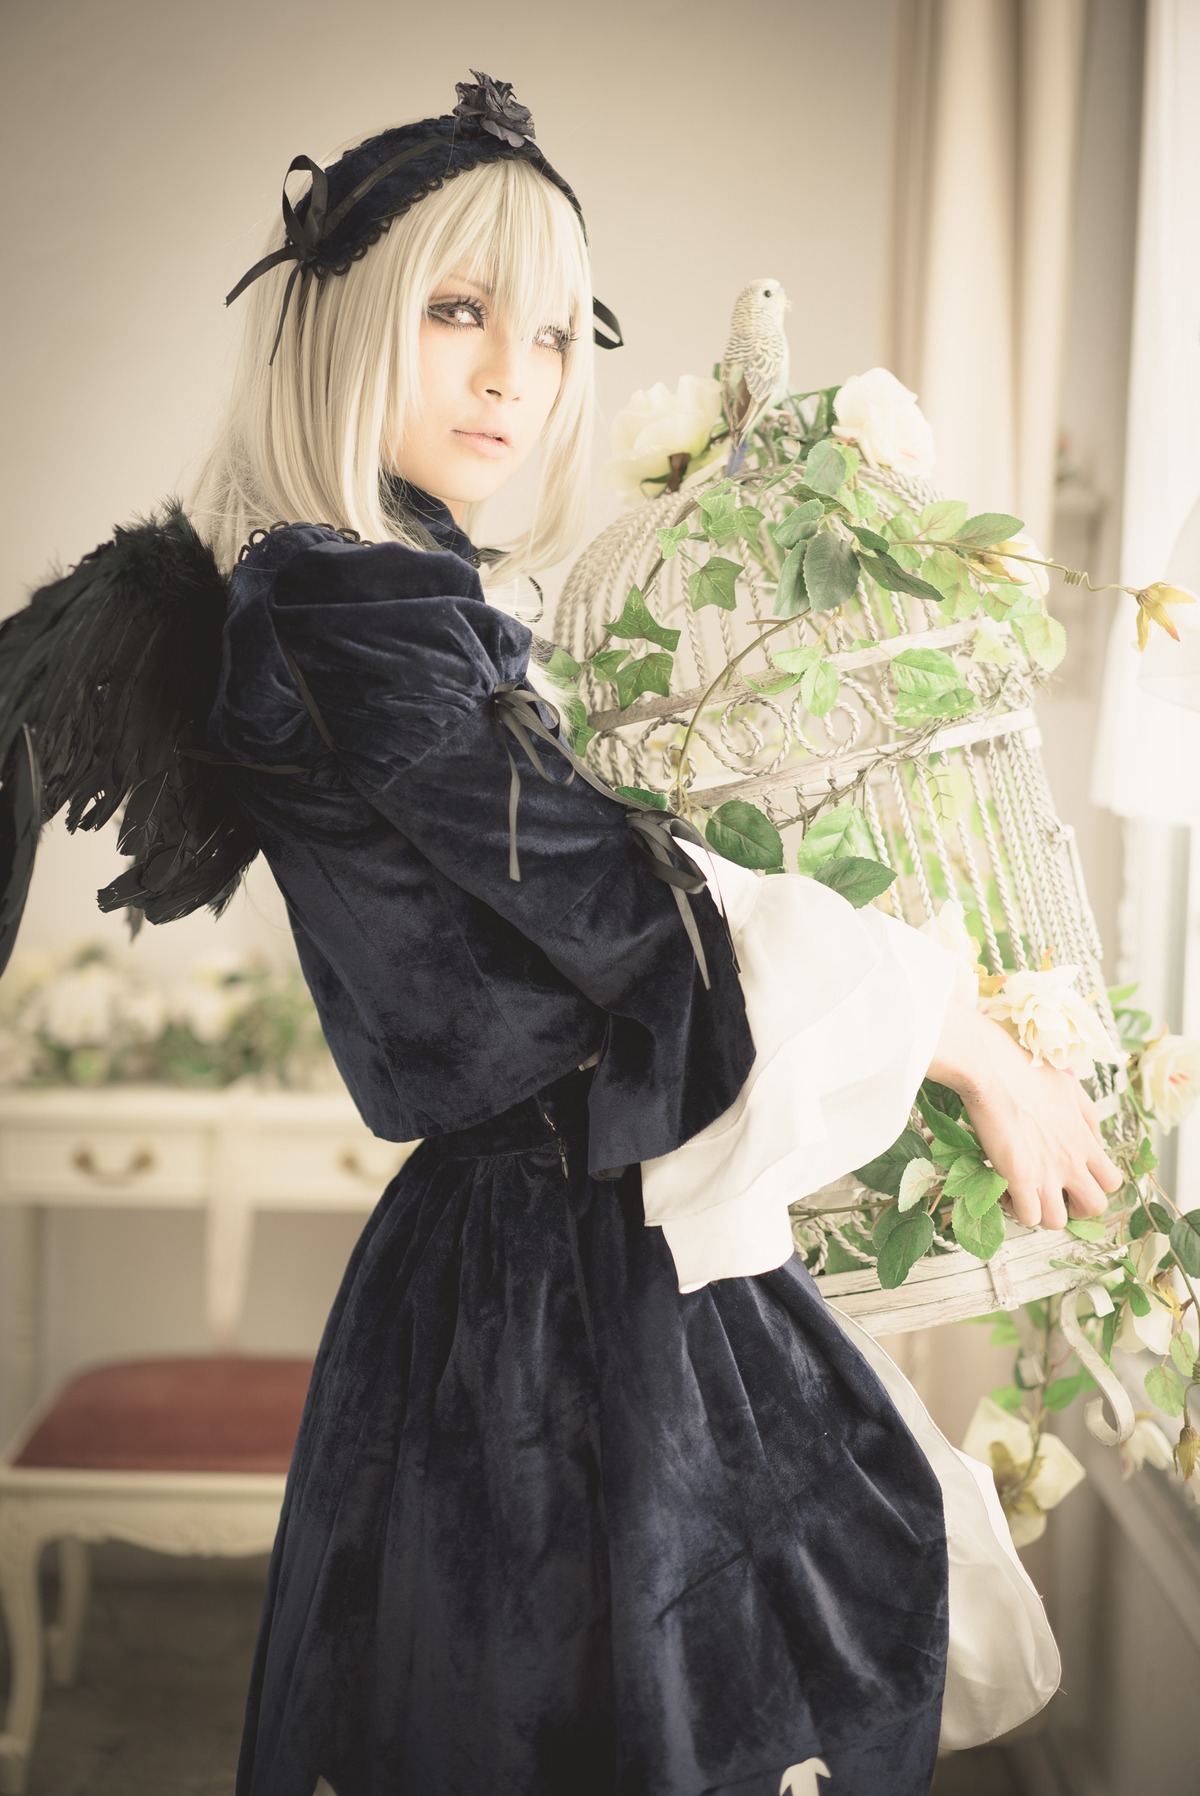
(1148, 750)
(989, 102)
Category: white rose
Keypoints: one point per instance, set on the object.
(1169, 1076)
(657, 424)
(949, 929)
(1147, 1442)
(142, 1010)
(206, 1005)
(77, 1009)
(878, 412)
(1052, 1021)
(1055, 1472)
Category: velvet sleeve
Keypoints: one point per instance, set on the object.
(401, 655)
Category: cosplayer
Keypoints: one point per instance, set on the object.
(579, 1503)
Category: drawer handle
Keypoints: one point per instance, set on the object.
(141, 1160)
(348, 1161)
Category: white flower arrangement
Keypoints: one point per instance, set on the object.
(877, 413)
(658, 424)
(85, 1018)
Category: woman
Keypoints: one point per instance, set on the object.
(577, 1504)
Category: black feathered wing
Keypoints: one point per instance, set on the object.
(107, 676)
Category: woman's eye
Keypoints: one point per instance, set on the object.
(555, 337)
(445, 310)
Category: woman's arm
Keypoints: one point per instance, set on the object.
(1036, 1124)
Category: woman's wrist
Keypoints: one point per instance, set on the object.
(968, 1048)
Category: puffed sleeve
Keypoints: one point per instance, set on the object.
(401, 656)
(846, 1007)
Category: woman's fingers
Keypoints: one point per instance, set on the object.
(1026, 1205)
(1054, 1208)
(1086, 1194)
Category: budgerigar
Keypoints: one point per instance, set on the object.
(754, 368)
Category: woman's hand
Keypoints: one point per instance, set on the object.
(1036, 1124)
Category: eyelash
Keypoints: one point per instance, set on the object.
(464, 304)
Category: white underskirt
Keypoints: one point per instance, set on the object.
(845, 1007)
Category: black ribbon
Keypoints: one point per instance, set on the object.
(305, 236)
(514, 708)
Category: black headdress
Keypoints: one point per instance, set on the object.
(108, 674)
(350, 205)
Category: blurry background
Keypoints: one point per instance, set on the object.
(949, 188)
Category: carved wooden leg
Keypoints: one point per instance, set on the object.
(20, 1550)
(64, 1636)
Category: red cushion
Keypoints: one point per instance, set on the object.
(212, 1413)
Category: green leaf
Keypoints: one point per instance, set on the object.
(839, 831)
(562, 667)
(943, 518)
(987, 528)
(1041, 636)
(791, 595)
(1165, 1388)
(819, 687)
(830, 571)
(977, 1185)
(887, 1169)
(929, 685)
(800, 659)
(907, 1242)
(1185, 1242)
(743, 833)
(857, 879)
(579, 730)
(1161, 1217)
(1139, 1224)
(1087, 1228)
(799, 524)
(871, 539)
(772, 684)
(636, 621)
(945, 1129)
(715, 583)
(748, 519)
(669, 539)
(826, 468)
(887, 572)
(980, 1235)
(1062, 1391)
(942, 1097)
(718, 513)
(885, 1222)
(1008, 1396)
(652, 673)
(1147, 1159)
(657, 799)
(948, 573)
(605, 663)
(1181, 1353)
(1139, 1303)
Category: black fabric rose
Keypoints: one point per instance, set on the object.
(491, 102)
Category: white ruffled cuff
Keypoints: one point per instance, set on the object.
(846, 1007)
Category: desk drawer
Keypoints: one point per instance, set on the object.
(307, 1166)
(102, 1165)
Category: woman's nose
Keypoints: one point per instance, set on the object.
(504, 369)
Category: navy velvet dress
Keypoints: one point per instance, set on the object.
(551, 1527)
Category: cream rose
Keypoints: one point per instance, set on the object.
(657, 424)
(78, 1009)
(1169, 1077)
(1151, 1332)
(1052, 1021)
(878, 412)
(1027, 1485)
(1037, 579)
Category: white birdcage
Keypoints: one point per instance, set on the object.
(956, 809)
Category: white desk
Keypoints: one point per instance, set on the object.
(229, 1153)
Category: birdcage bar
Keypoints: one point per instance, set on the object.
(997, 858)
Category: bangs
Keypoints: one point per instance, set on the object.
(517, 234)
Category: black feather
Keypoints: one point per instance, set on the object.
(105, 674)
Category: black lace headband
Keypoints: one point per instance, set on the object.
(350, 205)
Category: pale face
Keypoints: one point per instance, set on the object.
(478, 385)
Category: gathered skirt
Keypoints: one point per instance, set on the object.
(553, 1528)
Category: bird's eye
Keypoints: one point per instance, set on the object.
(766, 293)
